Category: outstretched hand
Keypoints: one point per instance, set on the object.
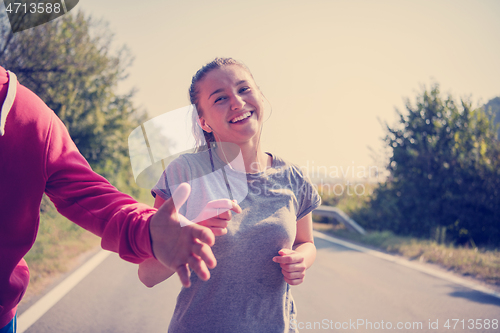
(177, 243)
(293, 266)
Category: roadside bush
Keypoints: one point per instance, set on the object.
(444, 174)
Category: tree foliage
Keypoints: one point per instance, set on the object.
(444, 173)
(70, 65)
(493, 107)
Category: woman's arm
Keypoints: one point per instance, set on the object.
(295, 262)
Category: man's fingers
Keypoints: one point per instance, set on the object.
(184, 274)
(180, 195)
(202, 233)
(180, 244)
(178, 199)
(203, 251)
(199, 267)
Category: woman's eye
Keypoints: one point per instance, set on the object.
(244, 89)
(218, 99)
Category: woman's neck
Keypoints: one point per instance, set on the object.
(256, 161)
(254, 158)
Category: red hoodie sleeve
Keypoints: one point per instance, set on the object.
(90, 201)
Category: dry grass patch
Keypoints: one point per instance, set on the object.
(478, 263)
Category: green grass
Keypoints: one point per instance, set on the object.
(59, 242)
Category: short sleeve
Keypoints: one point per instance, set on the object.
(177, 172)
(308, 197)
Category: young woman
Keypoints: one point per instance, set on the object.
(264, 248)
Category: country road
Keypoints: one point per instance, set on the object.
(344, 291)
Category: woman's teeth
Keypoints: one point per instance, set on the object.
(243, 116)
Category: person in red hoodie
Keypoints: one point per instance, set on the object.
(38, 156)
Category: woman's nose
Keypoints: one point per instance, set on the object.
(237, 102)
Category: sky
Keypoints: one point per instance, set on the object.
(333, 71)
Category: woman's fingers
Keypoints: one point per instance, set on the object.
(293, 277)
(216, 215)
(294, 282)
(226, 215)
(218, 209)
(215, 223)
(218, 226)
(225, 204)
(292, 266)
(219, 231)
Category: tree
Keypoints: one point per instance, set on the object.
(493, 107)
(444, 173)
(69, 64)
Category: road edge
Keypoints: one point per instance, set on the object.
(37, 310)
(404, 262)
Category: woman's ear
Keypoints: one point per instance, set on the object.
(203, 124)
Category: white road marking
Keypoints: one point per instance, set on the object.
(37, 310)
(404, 262)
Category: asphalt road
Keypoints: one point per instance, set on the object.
(344, 291)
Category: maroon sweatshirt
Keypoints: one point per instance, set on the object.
(38, 156)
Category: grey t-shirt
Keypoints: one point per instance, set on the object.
(246, 291)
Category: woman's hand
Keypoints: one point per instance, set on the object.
(295, 262)
(293, 266)
(216, 215)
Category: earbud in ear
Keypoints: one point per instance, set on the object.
(205, 128)
(204, 125)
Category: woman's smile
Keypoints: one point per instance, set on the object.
(241, 117)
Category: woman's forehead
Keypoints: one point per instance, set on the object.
(226, 75)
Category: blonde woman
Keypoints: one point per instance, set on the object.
(264, 248)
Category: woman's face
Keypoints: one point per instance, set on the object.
(231, 104)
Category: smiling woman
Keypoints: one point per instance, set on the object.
(268, 245)
(243, 89)
(230, 107)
